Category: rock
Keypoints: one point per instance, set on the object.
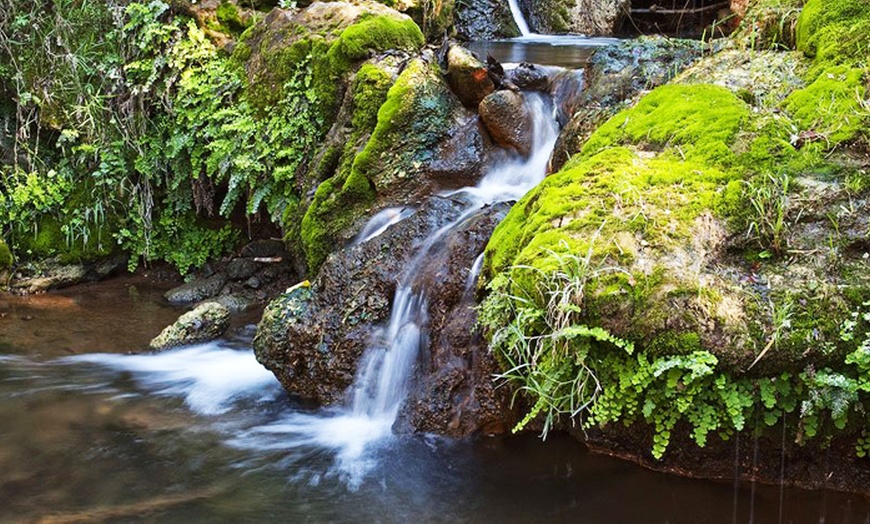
(508, 121)
(468, 77)
(236, 302)
(587, 17)
(253, 283)
(242, 268)
(197, 290)
(566, 88)
(263, 249)
(484, 20)
(529, 76)
(459, 160)
(312, 338)
(574, 134)
(205, 322)
(52, 274)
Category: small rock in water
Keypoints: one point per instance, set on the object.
(205, 322)
(506, 117)
(197, 290)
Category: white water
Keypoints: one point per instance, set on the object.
(381, 222)
(518, 18)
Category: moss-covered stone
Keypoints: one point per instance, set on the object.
(5, 255)
(836, 105)
(412, 120)
(835, 32)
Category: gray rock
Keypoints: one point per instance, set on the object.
(197, 290)
(253, 283)
(264, 248)
(241, 268)
(205, 322)
(236, 302)
(528, 76)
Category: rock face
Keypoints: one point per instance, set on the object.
(508, 121)
(205, 322)
(588, 17)
(484, 20)
(312, 339)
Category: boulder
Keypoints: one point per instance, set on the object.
(507, 119)
(199, 289)
(241, 268)
(529, 76)
(313, 338)
(205, 322)
(468, 77)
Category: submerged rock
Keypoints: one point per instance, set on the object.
(207, 321)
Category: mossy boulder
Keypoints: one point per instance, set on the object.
(5, 255)
(330, 39)
(397, 162)
(663, 199)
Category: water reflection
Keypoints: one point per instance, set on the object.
(572, 52)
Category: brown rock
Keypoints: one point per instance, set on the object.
(508, 121)
(467, 77)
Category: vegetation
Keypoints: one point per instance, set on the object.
(130, 129)
(702, 304)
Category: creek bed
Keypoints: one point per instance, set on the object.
(89, 433)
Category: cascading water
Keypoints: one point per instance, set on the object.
(353, 433)
(518, 18)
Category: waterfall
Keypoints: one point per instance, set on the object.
(383, 377)
(518, 18)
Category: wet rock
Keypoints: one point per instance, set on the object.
(236, 302)
(205, 322)
(52, 274)
(484, 20)
(312, 339)
(460, 160)
(264, 249)
(529, 76)
(241, 268)
(197, 290)
(588, 17)
(566, 89)
(574, 134)
(253, 283)
(468, 77)
(507, 119)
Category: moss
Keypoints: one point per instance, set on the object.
(227, 14)
(699, 119)
(835, 32)
(339, 200)
(374, 33)
(50, 240)
(833, 105)
(5, 255)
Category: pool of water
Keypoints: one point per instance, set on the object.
(204, 433)
(571, 52)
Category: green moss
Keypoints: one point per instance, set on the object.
(833, 105)
(339, 200)
(700, 119)
(374, 33)
(228, 15)
(51, 240)
(835, 32)
(5, 255)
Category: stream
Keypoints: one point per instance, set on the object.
(189, 436)
(91, 430)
